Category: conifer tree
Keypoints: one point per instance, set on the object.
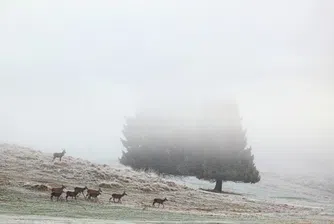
(215, 149)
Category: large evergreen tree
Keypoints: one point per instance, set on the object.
(150, 144)
(214, 147)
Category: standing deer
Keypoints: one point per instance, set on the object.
(81, 190)
(56, 194)
(58, 155)
(72, 194)
(117, 196)
(58, 189)
(93, 193)
(159, 201)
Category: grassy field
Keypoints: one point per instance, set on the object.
(22, 206)
(22, 169)
(19, 205)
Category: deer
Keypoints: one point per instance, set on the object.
(117, 196)
(159, 201)
(58, 189)
(56, 194)
(58, 155)
(93, 193)
(81, 190)
(72, 194)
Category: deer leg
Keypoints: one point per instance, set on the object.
(163, 206)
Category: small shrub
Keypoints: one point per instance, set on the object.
(36, 187)
(171, 184)
(145, 188)
(111, 185)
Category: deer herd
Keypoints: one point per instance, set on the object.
(90, 193)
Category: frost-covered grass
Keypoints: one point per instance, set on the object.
(27, 175)
(19, 202)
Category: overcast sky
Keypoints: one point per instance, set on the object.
(71, 70)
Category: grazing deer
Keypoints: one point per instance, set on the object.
(56, 194)
(80, 190)
(58, 155)
(72, 194)
(159, 201)
(58, 189)
(93, 193)
(117, 196)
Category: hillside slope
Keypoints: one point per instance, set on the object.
(22, 168)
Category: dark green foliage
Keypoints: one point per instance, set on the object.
(148, 145)
(212, 147)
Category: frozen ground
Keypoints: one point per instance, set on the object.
(276, 199)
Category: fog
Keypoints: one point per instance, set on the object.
(71, 70)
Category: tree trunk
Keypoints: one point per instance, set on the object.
(218, 187)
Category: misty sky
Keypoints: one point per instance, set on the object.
(71, 70)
